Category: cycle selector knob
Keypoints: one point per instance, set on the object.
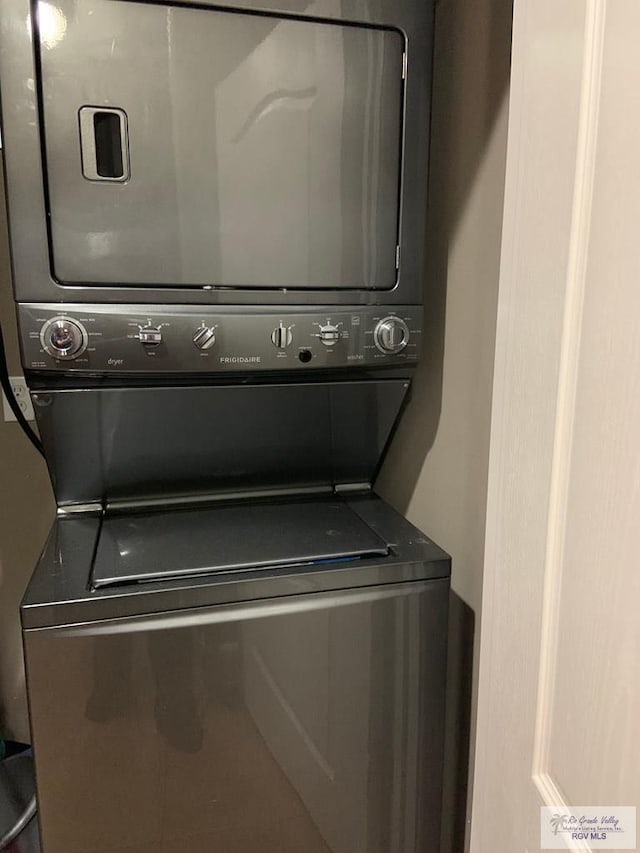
(391, 335)
(281, 336)
(204, 337)
(63, 339)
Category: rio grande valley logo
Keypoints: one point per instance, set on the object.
(594, 827)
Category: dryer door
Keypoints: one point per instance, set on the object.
(204, 147)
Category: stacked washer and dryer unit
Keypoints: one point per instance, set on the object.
(217, 220)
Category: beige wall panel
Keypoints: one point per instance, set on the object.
(26, 512)
(436, 471)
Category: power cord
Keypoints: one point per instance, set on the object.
(5, 382)
(25, 818)
(7, 836)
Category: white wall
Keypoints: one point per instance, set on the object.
(436, 470)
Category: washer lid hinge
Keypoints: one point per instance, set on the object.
(347, 488)
(93, 508)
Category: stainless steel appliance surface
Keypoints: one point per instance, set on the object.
(159, 443)
(217, 153)
(289, 708)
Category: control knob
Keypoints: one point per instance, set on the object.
(281, 336)
(329, 334)
(204, 337)
(391, 335)
(150, 335)
(63, 338)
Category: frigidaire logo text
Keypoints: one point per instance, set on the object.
(240, 359)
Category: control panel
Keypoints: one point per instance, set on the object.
(134, 339)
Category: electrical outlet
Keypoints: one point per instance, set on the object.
(21, 393)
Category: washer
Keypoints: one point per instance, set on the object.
(183, 699)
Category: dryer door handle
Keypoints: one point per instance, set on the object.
(104, 144)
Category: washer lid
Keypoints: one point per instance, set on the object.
(123, 445)
(164, 545)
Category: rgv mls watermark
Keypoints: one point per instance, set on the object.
(588, 827)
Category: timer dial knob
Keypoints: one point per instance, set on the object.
(63, 339)
(150, 336)
(330, 334)
(204, 337)
(391, 335)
